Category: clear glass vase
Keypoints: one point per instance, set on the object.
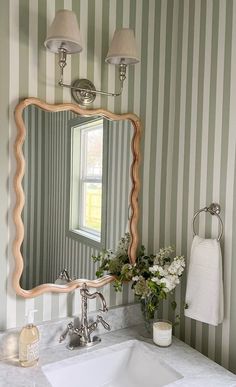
(149, 314)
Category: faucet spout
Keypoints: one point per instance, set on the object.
(103, 302)
(85, 293)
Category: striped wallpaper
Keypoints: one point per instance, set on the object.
(183, 90)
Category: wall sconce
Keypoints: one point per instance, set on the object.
(64, 38)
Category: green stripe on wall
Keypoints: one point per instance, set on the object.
(42, 27)
(225, 134)
(4, 97)
(170, 90)
(24, 47)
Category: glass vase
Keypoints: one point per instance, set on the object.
(149, 312)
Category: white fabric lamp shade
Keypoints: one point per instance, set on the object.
(64, 33)
(123, 48)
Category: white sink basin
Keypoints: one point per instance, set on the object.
(129, 364)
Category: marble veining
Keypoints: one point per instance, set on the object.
(197, 370)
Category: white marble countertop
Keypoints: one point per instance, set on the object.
(197, 370)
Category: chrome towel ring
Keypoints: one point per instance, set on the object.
(213, 209)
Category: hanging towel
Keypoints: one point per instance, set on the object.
(204, 293)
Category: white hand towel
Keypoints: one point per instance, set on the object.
(204, 293)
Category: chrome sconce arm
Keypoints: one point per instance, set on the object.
(83, 91)
(64, 38)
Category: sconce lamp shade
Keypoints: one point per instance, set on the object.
(64, 33)
(123, 48)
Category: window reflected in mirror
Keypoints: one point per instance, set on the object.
(87, 179)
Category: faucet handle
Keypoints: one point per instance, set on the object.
(66, 331)
(103, 322)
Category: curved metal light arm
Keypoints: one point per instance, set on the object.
(60, 83)
(83, 91)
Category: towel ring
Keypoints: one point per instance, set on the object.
(213, 209)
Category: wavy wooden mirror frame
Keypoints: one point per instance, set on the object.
(20, 197)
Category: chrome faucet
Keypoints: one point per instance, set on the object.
(85, 330)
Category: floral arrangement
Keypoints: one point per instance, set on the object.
(153, 276)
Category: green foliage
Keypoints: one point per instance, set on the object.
(173, 305)
(152, 276)
(177, 320)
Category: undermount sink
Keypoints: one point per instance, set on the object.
(129, 364)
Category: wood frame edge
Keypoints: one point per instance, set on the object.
(20, 198)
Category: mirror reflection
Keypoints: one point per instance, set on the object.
(88, 162)
(77, 188)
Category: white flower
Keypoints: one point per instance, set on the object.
(153, 269)
(170, 282)
(156, 280)
(123, 245)
(136, 278)
(158, 270)
(177, 266)
(162, 254)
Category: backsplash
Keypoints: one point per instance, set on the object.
(184, 92)
(118, 317)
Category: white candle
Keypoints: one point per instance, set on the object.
(162, 333)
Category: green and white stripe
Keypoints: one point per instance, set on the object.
(183, 90)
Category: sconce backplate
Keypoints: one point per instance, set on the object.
(83, 91)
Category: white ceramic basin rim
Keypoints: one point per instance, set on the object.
(129, 364)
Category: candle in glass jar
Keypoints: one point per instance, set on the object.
(162, 333)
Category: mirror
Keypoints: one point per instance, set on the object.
(49, 149)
